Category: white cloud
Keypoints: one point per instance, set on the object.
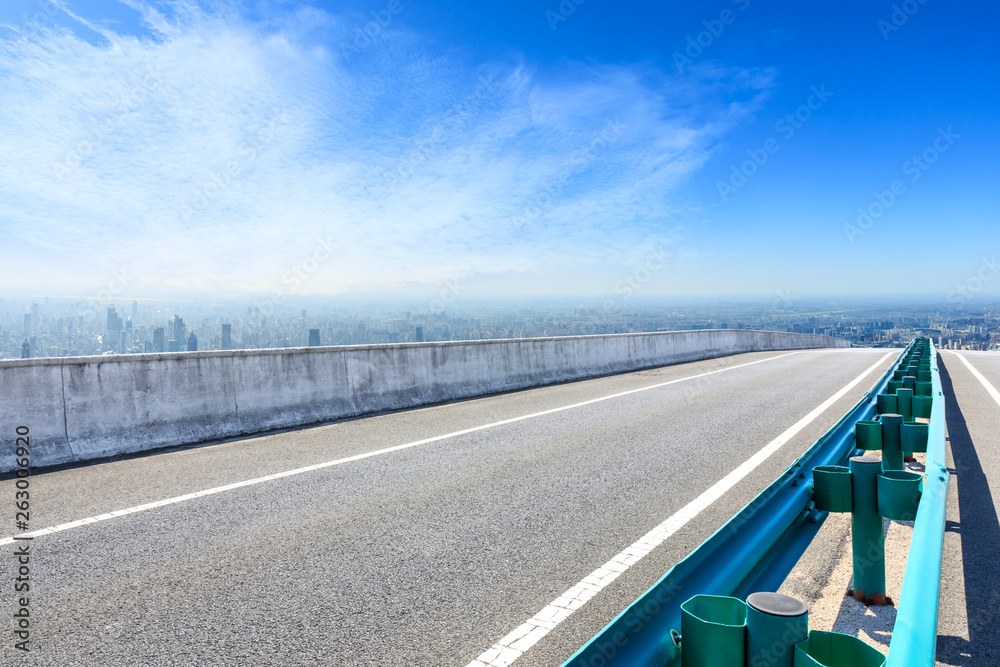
(116, 149)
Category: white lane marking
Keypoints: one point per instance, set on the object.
(979, 376)
(515, 644)
(319, 466)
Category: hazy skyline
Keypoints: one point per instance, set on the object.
(237, 149)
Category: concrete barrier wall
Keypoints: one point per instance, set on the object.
(81, 408)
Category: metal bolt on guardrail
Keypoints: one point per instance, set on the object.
(870, 488)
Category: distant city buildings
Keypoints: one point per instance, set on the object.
(74, 328)
(179, 330)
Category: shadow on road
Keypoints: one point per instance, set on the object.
(980, 534)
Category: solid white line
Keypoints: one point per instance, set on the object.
(979, 376)
(514, 645)
(319, 466)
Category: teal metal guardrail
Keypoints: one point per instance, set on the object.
(872, 488)
(914, 637)
(754, 551)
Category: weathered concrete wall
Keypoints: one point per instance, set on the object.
(81, 408)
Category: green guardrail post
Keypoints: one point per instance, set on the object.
(885, 403)
(922, 406)
(904, 403)
(832, 649)
(868, 435)
(832, 489)
(775, 624)
(913, 436)
(892, 451)
(867, 540)
(899, 494)
(713, 631)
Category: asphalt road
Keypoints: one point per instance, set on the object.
(969, 621)
(425, 555)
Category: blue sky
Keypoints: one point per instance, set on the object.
(230, 147)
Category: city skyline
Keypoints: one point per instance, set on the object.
(225, 149)
(67, 328)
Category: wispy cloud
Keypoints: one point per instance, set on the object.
(210, 150)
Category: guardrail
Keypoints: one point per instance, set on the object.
(756, 549)
(914, 637)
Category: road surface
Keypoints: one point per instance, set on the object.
(419, 537)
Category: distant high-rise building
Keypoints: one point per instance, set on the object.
(314, 338)
(135, 311)
(27, 324)
(147, 347)
(192, 345)
(25, 349)
(179, 329)
(122, 342)
(420, 335)
(112, 321)
(227, 336)
(303, 313)
(158, 340)
(173, 346)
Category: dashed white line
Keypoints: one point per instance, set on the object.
(358, 457)
(979, 376)
(514, 645)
